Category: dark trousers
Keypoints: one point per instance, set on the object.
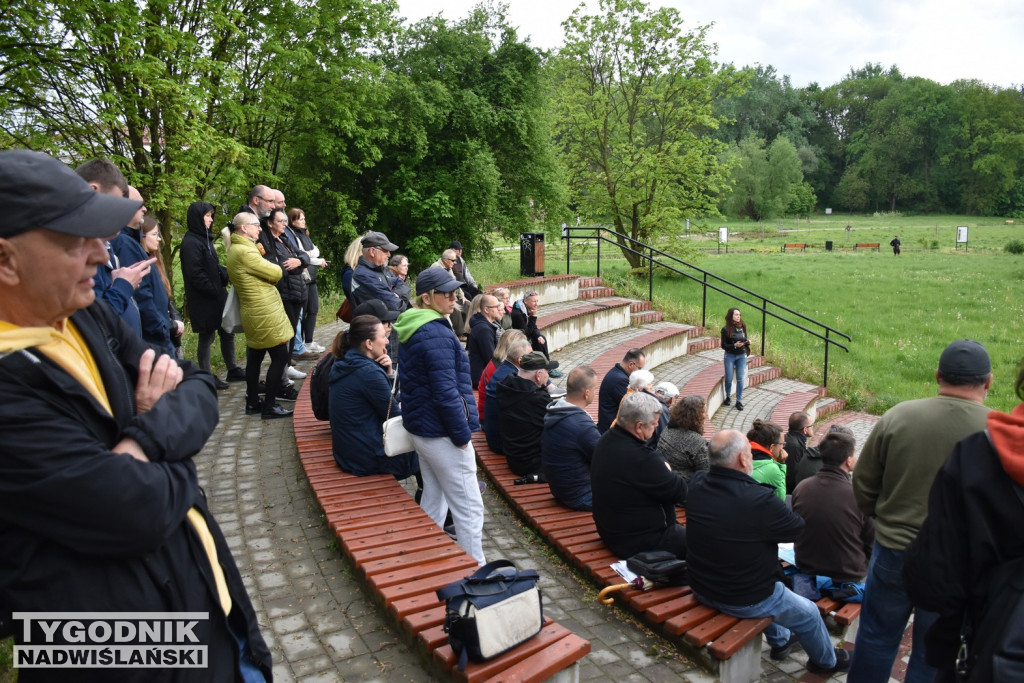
(278, 363)
(309, 312)
(227, 349)
(292, 310)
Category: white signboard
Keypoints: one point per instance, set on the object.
(828, 212)
(723, 235)
(961, 234)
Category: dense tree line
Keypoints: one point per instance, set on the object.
(459, 129)
(879, 141)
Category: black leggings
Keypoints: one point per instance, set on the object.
(227, 349)
(253, 361)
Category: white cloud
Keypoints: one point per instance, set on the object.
(819, 40)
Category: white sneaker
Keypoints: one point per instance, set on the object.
(295, 373)
(316, 348)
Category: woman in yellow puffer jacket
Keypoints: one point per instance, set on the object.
(263, 317)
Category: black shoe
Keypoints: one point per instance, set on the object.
(782, 651)
(287, 394)
(236, 374)
(220, 384)
(739, 405)
(727, 401)
(842, 664)
(275, 412)
(253, 407)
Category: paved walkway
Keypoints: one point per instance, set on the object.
(320, 622)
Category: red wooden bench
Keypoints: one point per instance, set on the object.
(404, 557)
(866, 245)
(797, 245)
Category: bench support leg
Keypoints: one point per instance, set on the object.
(850, 635)
(569, 675)
(744, 666)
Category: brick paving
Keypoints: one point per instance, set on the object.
(322, 625)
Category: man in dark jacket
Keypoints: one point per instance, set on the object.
(804, 461)
(524, 317)
(522, 402)
(100, 507)
(483, 335)
(509, 366)
(205, 282)
(837, 536)
(150, 295)
(614, 386)
(568, 442)
(734, 526)
(372, 279)
(634, 492)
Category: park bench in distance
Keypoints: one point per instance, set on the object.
(797, 245)
(866, 245)
(404, 558)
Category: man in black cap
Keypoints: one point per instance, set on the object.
(523, 401)
(100, 506)
(461, 271)
(897, 466)
(372, 279)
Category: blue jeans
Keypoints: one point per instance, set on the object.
(299, 346)
(883, 618)
(789, 612)
(735, 363)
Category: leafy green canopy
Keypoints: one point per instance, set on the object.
(633, 97)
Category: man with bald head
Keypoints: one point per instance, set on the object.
(483, 335)
(100, 505)
(733, 527)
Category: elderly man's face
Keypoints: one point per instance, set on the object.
(531, 304)
(492, 308)
(44, 298)
(278, 199)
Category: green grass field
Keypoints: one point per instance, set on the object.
(901, 312)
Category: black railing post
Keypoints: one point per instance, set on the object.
(650, 277)
(764, 323)
(824, 379)
(568, 241)
(599, 252)
(704, 303)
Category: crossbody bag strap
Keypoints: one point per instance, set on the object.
(391, 398)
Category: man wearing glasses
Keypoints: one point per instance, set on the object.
(458, 316)
(804, 461)
(483, 335)
(372, 279)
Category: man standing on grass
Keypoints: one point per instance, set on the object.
(897, 466)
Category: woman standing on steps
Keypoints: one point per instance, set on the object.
(736, 345)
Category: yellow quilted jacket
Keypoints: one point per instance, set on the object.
(253, 277)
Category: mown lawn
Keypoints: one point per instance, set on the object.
(901, 312)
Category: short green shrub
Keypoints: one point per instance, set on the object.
(1014, 247)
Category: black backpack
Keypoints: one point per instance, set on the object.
(992, 644)
(319, 389)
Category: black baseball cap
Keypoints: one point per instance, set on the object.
(38, 191)
(965, 358)
(377, 309)
(379, 240)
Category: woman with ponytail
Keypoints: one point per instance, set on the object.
(360, 396)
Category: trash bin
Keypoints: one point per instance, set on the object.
(828, 245)
(531, 254)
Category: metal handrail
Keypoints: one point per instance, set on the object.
(647, 253)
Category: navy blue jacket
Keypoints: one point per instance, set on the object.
(359, 398)
(492, 427)
(522, 406)
(613, 388)
(566, 448)
(436, 392)
(374, 282)
(119, 295)
(483, 337)
(150, 295)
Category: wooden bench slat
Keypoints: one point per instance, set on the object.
(730, 642)
(709, 630)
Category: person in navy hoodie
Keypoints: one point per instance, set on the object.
(439, 409)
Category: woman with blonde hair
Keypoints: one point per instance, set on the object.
(266, 325)
(348, 268)
(505, 341)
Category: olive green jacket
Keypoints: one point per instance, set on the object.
(253, 278)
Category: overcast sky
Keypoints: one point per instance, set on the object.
(819, 40)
